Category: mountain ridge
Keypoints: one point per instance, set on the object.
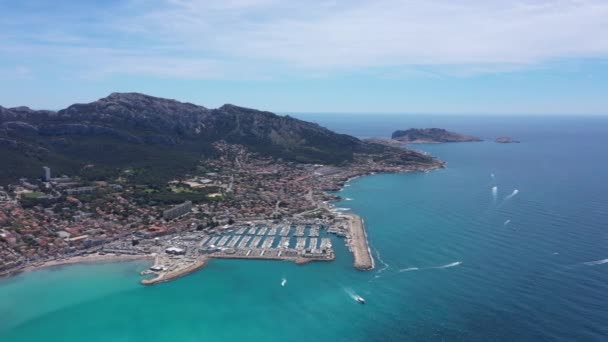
(143, 131)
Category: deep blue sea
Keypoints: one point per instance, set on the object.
(455, 259)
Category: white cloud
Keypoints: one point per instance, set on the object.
(359, 34)
(258, 38)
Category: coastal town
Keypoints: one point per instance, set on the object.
(239, 205)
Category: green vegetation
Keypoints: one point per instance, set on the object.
(156, 140)
(33, 195)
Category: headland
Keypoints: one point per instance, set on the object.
(430, 136)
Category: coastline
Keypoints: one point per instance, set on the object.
(357, 239)
(91, 258)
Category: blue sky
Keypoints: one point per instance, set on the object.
(402, 56)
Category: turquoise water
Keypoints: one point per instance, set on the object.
(449, 267)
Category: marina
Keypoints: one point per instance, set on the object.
(300, 242)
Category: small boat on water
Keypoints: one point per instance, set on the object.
(283, 282)
(360, 299)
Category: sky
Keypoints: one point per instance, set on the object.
(389, 56)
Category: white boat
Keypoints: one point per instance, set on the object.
(360, 299)
(283, 282)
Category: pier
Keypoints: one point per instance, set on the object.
(244, 241)
(284, 243)
(312, 244)
(262, 231)
(223, 240)
(362, 255)
(325, 243)
(213, 240)
(256, 241)
(301, 242)
(234, 240)
(268, 242)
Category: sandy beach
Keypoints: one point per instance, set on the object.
(90, 258)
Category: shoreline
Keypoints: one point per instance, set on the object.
(91, 258)
(360, 248)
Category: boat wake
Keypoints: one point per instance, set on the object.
(507, 223)
(354, 295)
(348, 199)
(350, 292)
(597, 262)
(513, 194)
(382, 261)
(409, 269)
(454, 264)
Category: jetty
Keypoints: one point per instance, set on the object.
(178, 269)
(358, 244)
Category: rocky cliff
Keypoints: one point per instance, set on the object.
(168, 136)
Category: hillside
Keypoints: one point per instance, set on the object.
(164, 137)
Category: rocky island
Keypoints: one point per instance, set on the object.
(180, 184)
(506, 140)
(430, 136)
